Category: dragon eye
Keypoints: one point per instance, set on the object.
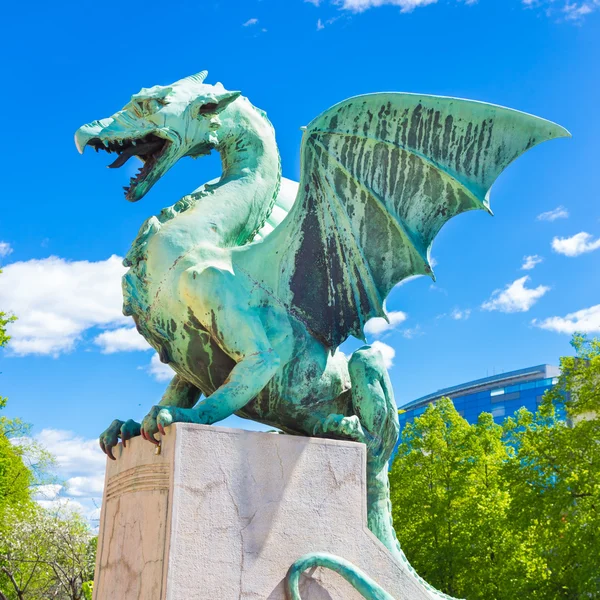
(144, 107)
(208, 108)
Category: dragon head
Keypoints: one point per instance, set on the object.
(160, 125)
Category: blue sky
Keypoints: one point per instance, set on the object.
(73, 365)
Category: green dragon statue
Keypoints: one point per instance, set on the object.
(247, 291)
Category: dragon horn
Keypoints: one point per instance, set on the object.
(198, 77)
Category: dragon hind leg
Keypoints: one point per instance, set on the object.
(375, 423)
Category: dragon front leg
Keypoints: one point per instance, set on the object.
(245, 381)
(222, 307)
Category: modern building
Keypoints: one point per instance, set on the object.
(500, 395)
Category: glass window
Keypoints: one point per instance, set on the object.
(506, 397)
(499, 411)
(528, 386)
(497, 392)
(554, 380)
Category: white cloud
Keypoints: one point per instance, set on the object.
(564, 9)
(515, 297)
(575, 11)
(570, 11)
(159, 370)
(48, 491)
(529, 262)
(560, 212)
(411, 332)
(586, 320)
(5, 249)
(75, 456)
(57, 300)
(320, 25)
(460, 315)
(378, 325)
(79, 464)
(124, 339)
(387, 352)
(580, 243)
(362, 5)
(61, 505)
(250, 22)
(85, 486)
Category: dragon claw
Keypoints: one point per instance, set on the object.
(339, 425)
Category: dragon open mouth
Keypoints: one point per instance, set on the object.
(149, 149)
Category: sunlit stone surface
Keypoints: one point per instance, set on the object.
(221, 514)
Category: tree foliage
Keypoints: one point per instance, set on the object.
(5, 319)
(45, 554)
(497, 512)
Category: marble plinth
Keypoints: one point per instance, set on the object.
(221, 514)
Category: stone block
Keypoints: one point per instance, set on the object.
(221, 514)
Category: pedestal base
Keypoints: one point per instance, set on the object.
(221, 514)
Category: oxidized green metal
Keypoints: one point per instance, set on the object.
(247, 292)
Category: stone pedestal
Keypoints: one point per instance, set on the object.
(221, 514)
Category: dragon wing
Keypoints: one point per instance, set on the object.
(380, 175)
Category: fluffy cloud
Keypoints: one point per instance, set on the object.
(80, 466)
(58, 300)
(586, 320)
(378, 325)
(387, 352)
(565, 9)
(5, 249)
(48, 491)
(75, 456)
(460, 315)
(411, 332)
(515, 297)
(560, 212)
(580, 243)
(160, 371)
(85, 486)
(576, 11)
(362, 5)
(570, 11)
(124, 339)
(529, 262)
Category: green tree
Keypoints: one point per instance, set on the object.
(484, 511)
(45, 554)
(15, 477)
(5, 319)
(554, 474)
(450, 505)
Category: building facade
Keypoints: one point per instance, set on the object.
(500, 395)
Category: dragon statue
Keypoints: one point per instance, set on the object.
(246, 289)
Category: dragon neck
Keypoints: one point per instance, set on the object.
(243, 198)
